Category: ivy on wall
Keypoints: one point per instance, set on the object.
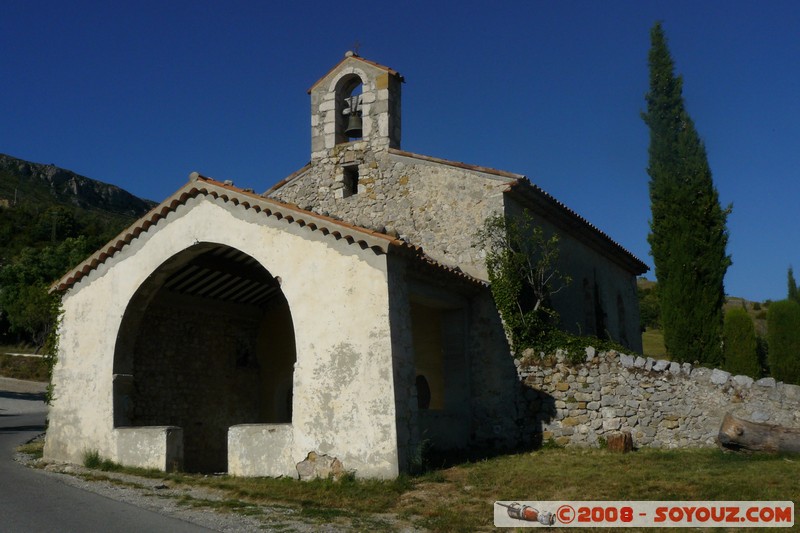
(521, 264)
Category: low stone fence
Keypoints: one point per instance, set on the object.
(663, 404)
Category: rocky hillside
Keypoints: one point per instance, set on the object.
(23, 181)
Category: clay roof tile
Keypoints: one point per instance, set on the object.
(204, 186)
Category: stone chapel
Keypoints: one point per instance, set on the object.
(344, 311)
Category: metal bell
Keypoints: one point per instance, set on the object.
(353, 129)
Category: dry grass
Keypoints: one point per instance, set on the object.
(460, 498)
(27, 368)
(463, 501)
(34, 448)
(653, 344)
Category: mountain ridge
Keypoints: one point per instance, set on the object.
(26, 181)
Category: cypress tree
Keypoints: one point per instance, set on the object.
(794, 292)
(783, 337)
(688, 232)
(740, 346)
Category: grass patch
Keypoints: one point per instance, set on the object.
(326, 514)
(459, 498)
(91, 476)
(653, 344)
(34, 448)
(17, 348)
(350, 494)
(27, 368)
(224, 505)
(462, 502)
(93, 460)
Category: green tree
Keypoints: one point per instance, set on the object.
(783, 337)
(649, 307)
(739, 344)
(521, 263)
(24, 298)
(794, 292)
(34, 312)
(688, 234)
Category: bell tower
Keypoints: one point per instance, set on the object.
(357, 101)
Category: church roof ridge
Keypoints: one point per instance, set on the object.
(521, 185)
(525, 188)
(199, 185)
(353, 56)
(518, 185)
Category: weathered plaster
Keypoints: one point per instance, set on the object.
(339, 303)
(261, 450)
(159, 447)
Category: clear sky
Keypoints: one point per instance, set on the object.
(140, 94)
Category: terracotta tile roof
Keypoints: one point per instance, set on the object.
(287, 179)
(529, 191)
(356, 57)
(521, 186)
(203, 186)
(457, 164)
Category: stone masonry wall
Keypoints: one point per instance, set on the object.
(197, 370)
(663, 404)
(441, 208)
(435, 206)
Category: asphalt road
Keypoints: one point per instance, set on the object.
(33, 501)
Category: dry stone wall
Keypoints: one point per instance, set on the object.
(663, 404)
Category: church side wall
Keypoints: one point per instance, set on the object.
(441, 208)
(435, 206)
(494, 382)
(601, 298)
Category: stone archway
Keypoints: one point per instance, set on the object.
(207, 342)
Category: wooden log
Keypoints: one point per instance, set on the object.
(738, 434)
(620, 442)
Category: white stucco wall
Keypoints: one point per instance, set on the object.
(159, 447)
(343, 403)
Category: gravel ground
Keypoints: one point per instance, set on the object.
(156, 495)
(191, 504)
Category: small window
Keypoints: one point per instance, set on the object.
(350, 181)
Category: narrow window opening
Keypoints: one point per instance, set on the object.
(423, 392)
(350, 181)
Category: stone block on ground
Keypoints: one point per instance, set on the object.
(620, 442)
(317, 466)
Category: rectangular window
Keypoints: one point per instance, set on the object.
(350, 181)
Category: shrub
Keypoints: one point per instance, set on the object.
(739, 344)
(783, 338)
(649, 308)
(92, 459)
(522, 265)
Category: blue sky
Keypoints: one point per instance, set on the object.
(140, 94)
